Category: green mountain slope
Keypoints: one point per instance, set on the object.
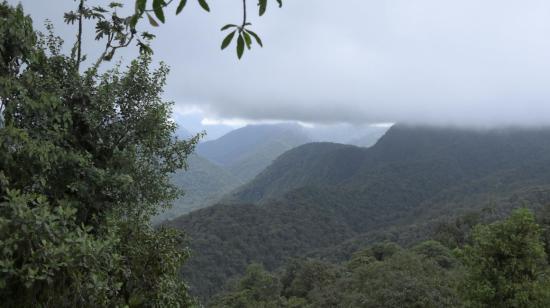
(203, 183)
(327, 199)
(312, 164)
(246, 151)
(234, 159)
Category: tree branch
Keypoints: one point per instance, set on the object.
(113, 48)
(244, 14)
(163, 6)
(79, 35)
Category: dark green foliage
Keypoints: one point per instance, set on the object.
(507, 265)
(257, 288)
(436, 252)
(403, 280)
(311, 281)
(85, 160)
(381, 276)
(47, 257)
(504, 266)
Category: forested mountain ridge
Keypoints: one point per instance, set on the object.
(240, 155)
(312, 164)
(464, 153)
(321, 195)
(229, 162)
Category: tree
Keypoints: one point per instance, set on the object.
(85, 160)
(120, 31)
(384, 276)
(506, 264)
(257, 288)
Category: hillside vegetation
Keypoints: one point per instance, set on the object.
(327, 200)
(203, 183)
(247, 151)
(240, 155)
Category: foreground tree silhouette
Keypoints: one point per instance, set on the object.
(85, 160)
(507, 265)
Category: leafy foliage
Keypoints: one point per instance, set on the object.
(507, 265)
(115, 30)
(257, 288)
(381, 276)
(242, 31)
(504, 266)
(85, 160)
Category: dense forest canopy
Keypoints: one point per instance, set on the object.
(504, 265)
(326, 201)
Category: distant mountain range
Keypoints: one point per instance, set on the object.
(326, 199)
(246, 151)
(221, 165)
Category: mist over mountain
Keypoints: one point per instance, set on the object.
(363, 135)
(328, 199)
(248, 150)
(224, 164)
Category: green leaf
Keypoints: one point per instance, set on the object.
(256, 37)
(140, 6)
(133, 21)
(227, 40)
(247, 39)
(240, 46)
(115, 5)
(152, 21)
(262, 6)
(157, 8)
(181, 6)
(227, 27)
(204, 5)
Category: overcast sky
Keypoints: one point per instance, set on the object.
(461, 62)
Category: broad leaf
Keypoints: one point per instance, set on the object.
(181, 6)
(204, 5)
(262, 6)
(152, 21)
(227, 27)
(140, 6)
(247, 39)
(157, 8)
(240, 46)
(227, 40)
(256, 37)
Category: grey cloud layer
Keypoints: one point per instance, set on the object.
(464, 62)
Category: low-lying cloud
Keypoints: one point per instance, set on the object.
(468, 62)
